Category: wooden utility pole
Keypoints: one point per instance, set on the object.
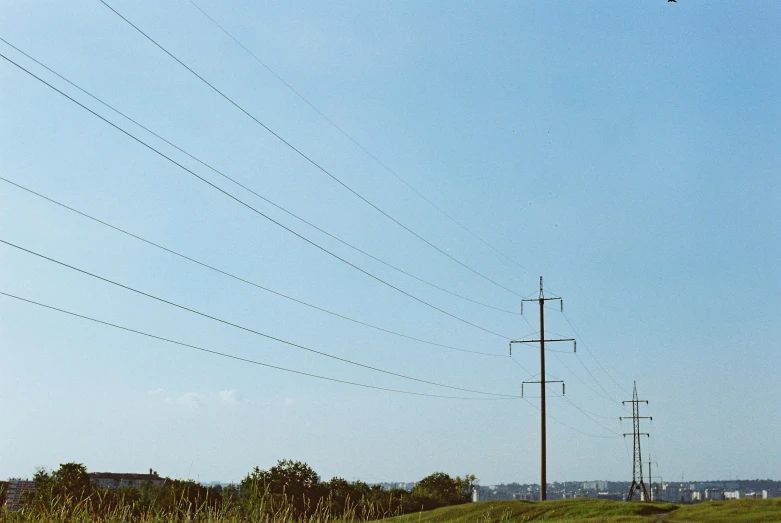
(543, 439)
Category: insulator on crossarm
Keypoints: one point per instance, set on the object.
(561, 303)
(521, 308)
(575, 346)
(522, 390)
(511, 350)
(562, 389)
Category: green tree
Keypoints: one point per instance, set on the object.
(289, 483)
(292, 478)
(71, 481)
(62, 490)
(444, 490)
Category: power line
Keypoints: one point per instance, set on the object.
(595, 359)
(590, 415)
(592, 355)
(253, 209)
(590, 352)
(246, 329)
(252, 191)
(565, 397)
(595, 379)
(246, 360)
(583, 382)
(308, 159)
(548, 416)
(354, 141)
(243, 280)
(561, 310)
(608, 395)
(521, 366)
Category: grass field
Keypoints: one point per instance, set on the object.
(578, 510)
(588, 510)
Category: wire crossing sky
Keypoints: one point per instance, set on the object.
(357, 144)
(627, 153)
(310, 160)
(226, 322)
(234, 198)
(235, 182)
(216, 353)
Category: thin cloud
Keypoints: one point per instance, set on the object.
(229, 396)
(191, 400)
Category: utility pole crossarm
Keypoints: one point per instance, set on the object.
(543, 341)
(545, 382)
(537, 341)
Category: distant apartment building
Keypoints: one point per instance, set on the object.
(595, 485)
(670, 493)
(115, 480)
(16, 490)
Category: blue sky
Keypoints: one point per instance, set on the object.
(628, 153)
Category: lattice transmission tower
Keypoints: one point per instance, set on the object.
(637, 462)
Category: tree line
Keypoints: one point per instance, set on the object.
(289, 491)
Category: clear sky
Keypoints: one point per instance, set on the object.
(628, 152)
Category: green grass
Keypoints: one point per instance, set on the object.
(588, 510)
(738, 510)
(577, 510)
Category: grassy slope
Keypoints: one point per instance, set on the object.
(559, 510)
(589, 510)
(743, 510)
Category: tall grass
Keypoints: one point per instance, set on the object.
(263, 508)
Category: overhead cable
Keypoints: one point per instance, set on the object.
(246, 329)
(355, 142)
(252, 191)
(608, 397)
(590, 415)
(253, 209)
(548, 416)
(309, 159)
(243, 280)
(246, 360)
(592, 354)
